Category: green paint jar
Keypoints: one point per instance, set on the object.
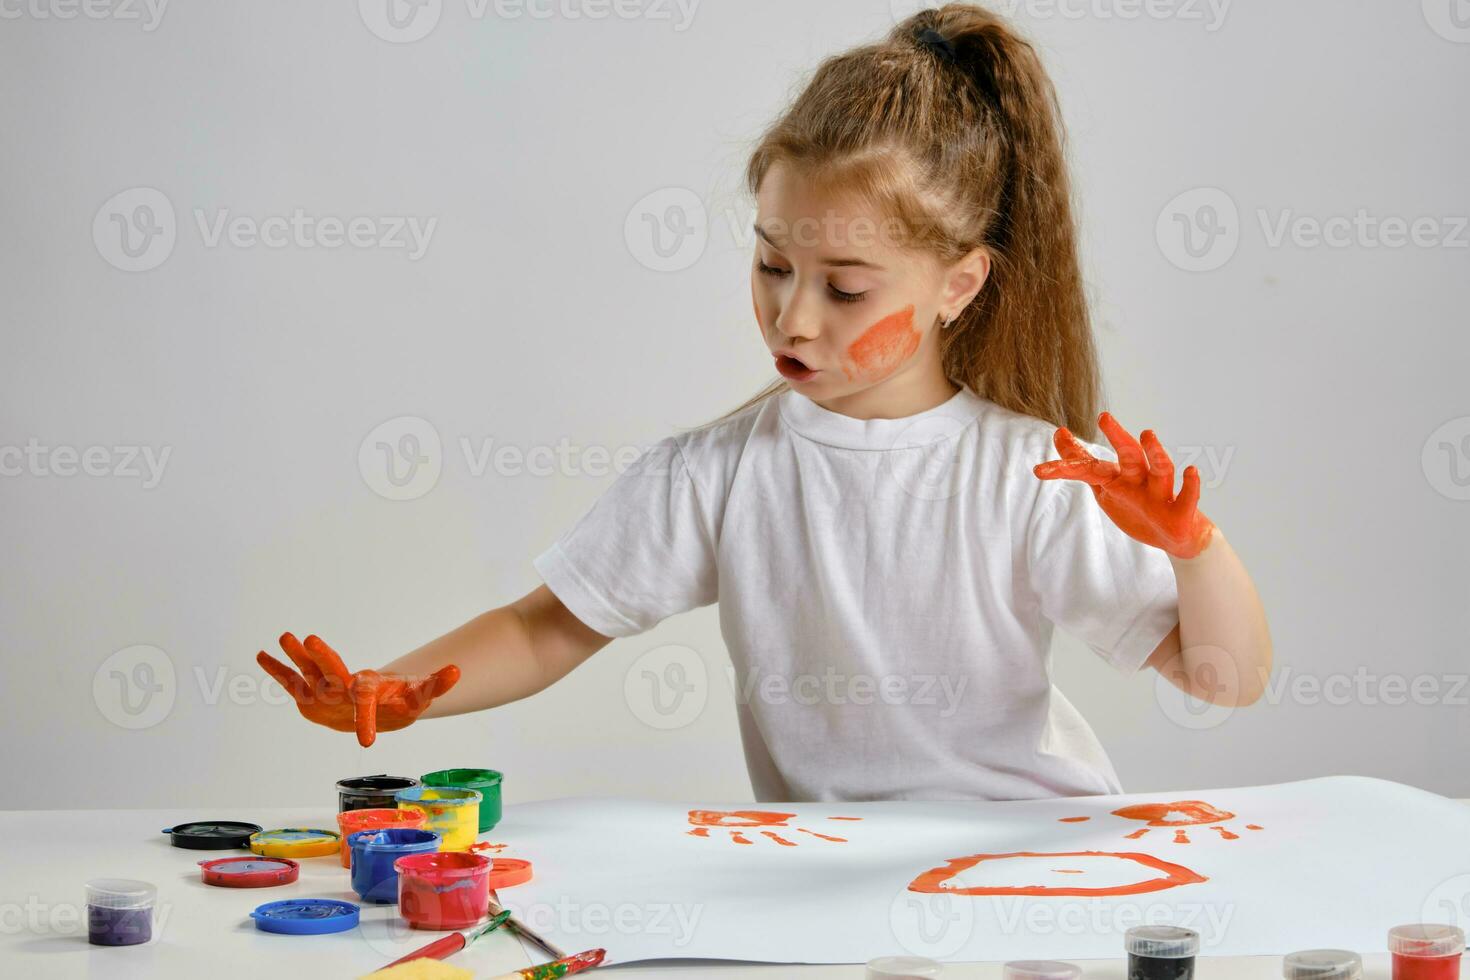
(485, 781)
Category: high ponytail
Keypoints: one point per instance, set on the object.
(964, 152)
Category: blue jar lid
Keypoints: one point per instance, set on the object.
(306, 916)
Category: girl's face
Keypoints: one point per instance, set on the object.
(850, 318)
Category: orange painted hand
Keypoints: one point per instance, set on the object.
(366, 702)
(1137, 491)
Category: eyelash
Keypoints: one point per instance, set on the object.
(837, 294)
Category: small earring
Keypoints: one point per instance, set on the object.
(947, 323)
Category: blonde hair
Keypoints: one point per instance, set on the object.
(969, 150)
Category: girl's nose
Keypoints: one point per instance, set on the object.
(795, 322)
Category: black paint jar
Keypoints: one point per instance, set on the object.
(371, 792)
(1161, 952)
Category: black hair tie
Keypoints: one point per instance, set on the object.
(939, 44)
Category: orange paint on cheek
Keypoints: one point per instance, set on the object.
(882, 347)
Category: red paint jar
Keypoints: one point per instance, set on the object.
(443, 889)
(1426, 951)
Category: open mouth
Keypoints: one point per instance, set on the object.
(792, 369)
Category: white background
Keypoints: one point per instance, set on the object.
(1320, 376)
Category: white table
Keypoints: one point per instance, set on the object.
(203, 931)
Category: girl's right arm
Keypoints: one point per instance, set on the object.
(505, 654)
(500, 656)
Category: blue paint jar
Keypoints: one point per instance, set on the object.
(373, 852)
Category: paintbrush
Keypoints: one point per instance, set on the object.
(516, 926)
(451, 943)
(563, 967)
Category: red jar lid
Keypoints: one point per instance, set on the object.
(249, 872)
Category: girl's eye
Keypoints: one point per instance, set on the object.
(837, 294)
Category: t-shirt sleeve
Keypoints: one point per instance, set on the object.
(643, 552)
(1116, 594)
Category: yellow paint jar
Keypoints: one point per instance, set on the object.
(449, 811)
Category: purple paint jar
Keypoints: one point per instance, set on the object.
(119, 911)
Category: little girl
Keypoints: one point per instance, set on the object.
(885, 513)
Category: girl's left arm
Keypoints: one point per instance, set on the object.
(1221, 650)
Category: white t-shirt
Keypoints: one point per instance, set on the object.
(887, 590)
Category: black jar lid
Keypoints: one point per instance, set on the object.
(212, 835)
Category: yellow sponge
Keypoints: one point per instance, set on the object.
(421, 969)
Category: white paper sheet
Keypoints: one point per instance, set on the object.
(1330, 862)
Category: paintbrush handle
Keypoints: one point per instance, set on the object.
(515, 926)
(436, 950)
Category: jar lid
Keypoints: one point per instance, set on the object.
(120, 893)
(1322, 964)
(248, 872)
(306, 916)
(903, 968)
(505, 872)
(212, 835)
(1426, 939)
(296, 842)
(1041, 970)
(1161, 942)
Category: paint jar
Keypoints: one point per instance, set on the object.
(452, 813)
(350, 822)
(1426, 951)
(903, 968)
(1040, 970)
(1161, 952)
(373, 854)
(370, 792)
(447, 890)
(1322, 964)
(484, 781)
(119, 911)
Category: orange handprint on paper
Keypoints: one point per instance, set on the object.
(1178, 815)
(703, 820)
(1136, 492)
